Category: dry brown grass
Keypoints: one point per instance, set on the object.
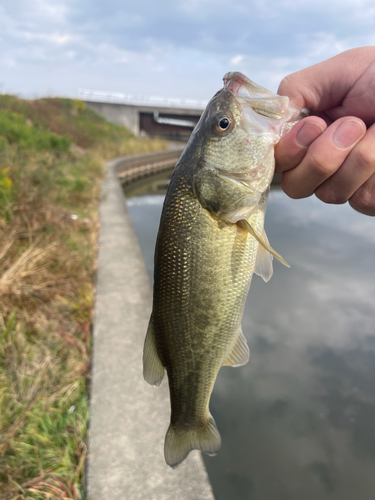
(48, 243)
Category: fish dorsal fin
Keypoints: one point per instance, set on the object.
(263, 264)
(153, 369)
(240, 353)
(246, 225)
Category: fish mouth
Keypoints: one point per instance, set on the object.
(259, 99)
(241, 86)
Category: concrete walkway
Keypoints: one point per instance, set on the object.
(129, 418)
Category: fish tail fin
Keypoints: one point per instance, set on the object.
(180, 442)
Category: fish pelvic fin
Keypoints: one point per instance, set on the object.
(240, 353)
(179, 442)
(153, 369)
(246, 225)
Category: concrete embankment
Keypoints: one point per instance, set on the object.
(128, 417)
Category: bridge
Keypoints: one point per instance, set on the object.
(170, 118)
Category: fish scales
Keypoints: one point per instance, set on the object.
(209, 244)
(194, 306)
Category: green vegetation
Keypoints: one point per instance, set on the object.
(16, 130)
(51, 157)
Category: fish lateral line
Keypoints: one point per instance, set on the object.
(247, 226)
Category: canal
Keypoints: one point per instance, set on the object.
(298, 421)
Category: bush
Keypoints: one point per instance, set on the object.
(15, 129)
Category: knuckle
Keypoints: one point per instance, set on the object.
(363, 201)
(364, 156)
(317, 166)
(282, 165)
(338, 199)
(331, 196)
(286, 155)
(289, 187)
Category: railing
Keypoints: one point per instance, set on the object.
(134, 168)
(173, 121)
(141, 100)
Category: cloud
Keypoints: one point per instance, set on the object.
(54, 38)
(189, 45)
(237, 59)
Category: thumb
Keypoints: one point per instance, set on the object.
(324, 85)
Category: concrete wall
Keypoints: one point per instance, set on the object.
(129, 418)
(128, 114)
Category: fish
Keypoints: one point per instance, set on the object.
(211, 241)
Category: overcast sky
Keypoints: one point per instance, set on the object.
(171, 48)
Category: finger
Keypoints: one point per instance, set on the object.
(358, 167)
(323, 158)
(363, 200)
(292, 148)
(326, 117)
(324, 85)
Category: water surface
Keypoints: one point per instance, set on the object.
(298, 421)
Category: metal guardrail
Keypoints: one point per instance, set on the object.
(137, 167)
(141, 100)
(173, 121)
(134, 168)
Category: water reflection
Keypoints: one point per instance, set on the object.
(298, 421)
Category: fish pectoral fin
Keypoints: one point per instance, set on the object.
(246, 225)
(179, 442)
(240, 353)
(263, 263)
(153, 369)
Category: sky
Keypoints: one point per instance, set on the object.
(169, 48)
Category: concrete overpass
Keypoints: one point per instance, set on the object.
(153, 116)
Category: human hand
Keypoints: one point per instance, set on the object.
(331, 153)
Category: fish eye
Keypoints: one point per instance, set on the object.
(223, 124)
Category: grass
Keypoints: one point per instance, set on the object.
(51, 157)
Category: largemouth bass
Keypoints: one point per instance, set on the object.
(210, 242)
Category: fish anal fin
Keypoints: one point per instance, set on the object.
(263, 264)
(180, 442)
(240, 353)
(153, 369)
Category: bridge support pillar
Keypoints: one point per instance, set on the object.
(127, 116)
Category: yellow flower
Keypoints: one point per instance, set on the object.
(5, 181)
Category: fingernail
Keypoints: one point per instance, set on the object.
(308, 133)
(348, 133)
